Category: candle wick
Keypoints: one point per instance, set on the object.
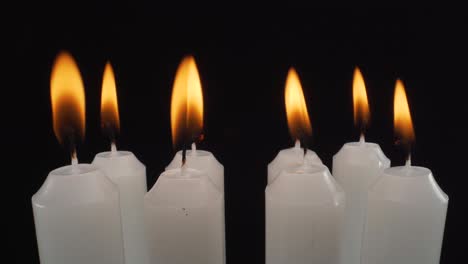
(113, 147)
(297, 144)
(408, 160)
(304, 146)
(194, 149)
(184, 156)
(362, 139)
(74, 161)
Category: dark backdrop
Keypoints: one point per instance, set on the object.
(243, 58)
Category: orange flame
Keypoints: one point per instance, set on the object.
(186, 102)
(402, 116)
(296, 109)
(68, 99)
(361, 106)
(109, 106)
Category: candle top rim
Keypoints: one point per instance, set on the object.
(407, 171)
(359, 152)
(74, 170)
(114, 154)
(198, 152)
(307, 168)
(176, 173)
(295, 150)
(362, 144)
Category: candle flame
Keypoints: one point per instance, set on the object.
(186, 103)
(360, 103)
(402, 116)
(68, 100)
(296, 109)
(110, 121)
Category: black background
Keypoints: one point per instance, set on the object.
(243, 57)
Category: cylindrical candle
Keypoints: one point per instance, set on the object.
(77, 217)
(405, 218)
(304, 211)
(355, 167)
(290, 157)
(129, 175)
(184, 218)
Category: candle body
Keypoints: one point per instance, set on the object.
(355, 167)
(304, 211)
(207, 163)
(77, 218)
(184, 219)
(290, 157)
(405, 218)
(129, 175)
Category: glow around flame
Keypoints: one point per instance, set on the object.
(68, 99)
(296, 109)
(186, 103)
(402, 116)
(109, 106)
(360, 103)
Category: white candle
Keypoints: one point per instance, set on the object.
(355, 167)
(77, 217)
(129, 175)
(76, 211)
(126, 172)
(184, 219)
(185, 208)
(406, 208)
(405, 218)
(304, 205)
(206, 162)
(304, 211)
(290, 157)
